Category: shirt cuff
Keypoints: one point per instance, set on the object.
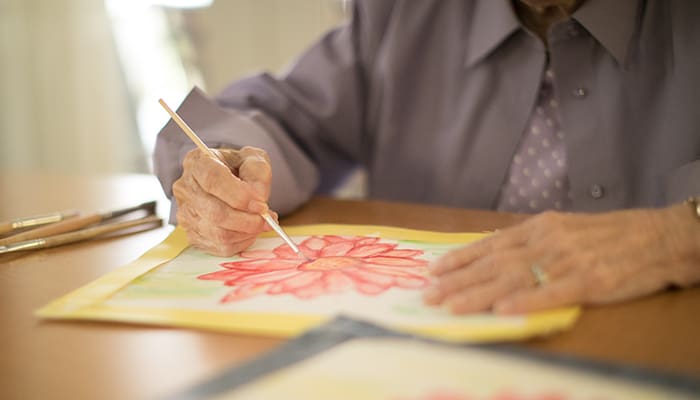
(683, 183)
(294, 176)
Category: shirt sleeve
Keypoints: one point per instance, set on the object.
(683, 182)
(310, 120)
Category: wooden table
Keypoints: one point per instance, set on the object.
(90, 360)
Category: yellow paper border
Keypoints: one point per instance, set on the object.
(88, 302)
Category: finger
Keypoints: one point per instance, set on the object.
(214, 177)
(563, 292)
(275, 217)
(481, 297)
(222, 250)
(452, 281)
(256, 171)
(234, 157)
(252, 165)
(495, 266)
(501, 241)
(210, 234)
(205, 209)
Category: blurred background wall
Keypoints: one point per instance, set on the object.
(80, 79)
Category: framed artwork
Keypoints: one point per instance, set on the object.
(412, 370)
(350, 359)
(371, 273)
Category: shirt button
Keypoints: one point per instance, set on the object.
(597, 191)
(580, 92)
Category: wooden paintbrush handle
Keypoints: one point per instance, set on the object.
(28, 222)
(84, 234)
(53, 229)
(7, 226)
(89, 233)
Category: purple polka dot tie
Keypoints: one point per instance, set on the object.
(537, 179)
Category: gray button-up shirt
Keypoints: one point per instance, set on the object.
(432, 97)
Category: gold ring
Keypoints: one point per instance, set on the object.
(541, 277)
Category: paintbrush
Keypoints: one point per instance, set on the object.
(34, 221)
(145, 223)
(76, 223)
(203, 147)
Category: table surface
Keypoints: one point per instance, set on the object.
(62, 359)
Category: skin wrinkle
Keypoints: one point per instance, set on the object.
(588, 266)
(223, 224)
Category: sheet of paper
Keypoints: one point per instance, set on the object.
(412, 370)
(366, 272)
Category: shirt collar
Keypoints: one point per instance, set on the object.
(492, 22)
(612, 23)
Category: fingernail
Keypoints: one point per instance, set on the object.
(257, 207)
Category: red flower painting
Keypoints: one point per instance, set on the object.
(335, 264)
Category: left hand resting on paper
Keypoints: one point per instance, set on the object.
(587, 259)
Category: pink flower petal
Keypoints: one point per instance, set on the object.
(337, 239)
(222, 275)
(365, 275)
(336, 249)
(263, 265)
(370, 250)
(401, 272)
(314, 243)
(369, 289)
(396, 261)
(413, 282)
(310, 291)
(299, 280)
(266, 277)
(244, 292)
(336, 281)
(285, 252)
(365, 241)
(403, 253)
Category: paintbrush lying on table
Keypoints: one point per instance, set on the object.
(81, 228)
(19, 224)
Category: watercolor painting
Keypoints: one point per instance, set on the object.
(335, 264)
(414, 370)
(371, 273)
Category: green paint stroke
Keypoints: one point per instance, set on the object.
(168, 285)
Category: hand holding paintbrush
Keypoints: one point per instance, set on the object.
(222, 195)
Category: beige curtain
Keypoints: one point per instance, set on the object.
(236, 38)
(63, 103)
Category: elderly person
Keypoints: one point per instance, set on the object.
(583, 113)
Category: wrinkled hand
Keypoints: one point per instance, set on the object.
(588, 259)
(219, 205)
